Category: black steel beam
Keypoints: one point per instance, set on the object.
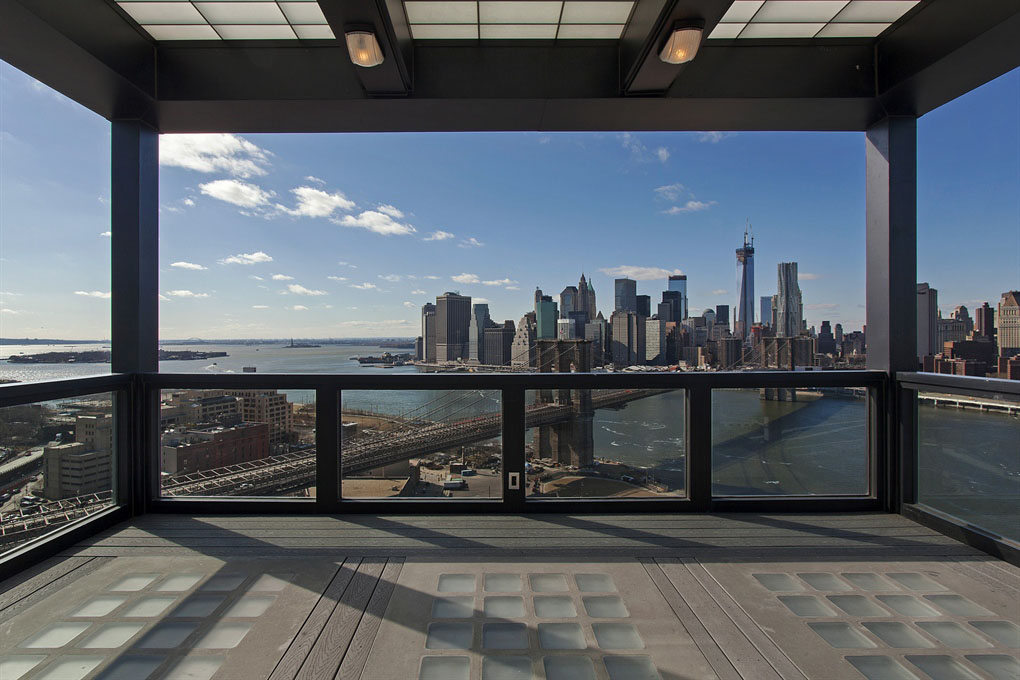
(958, 384)
(82, 49)
(944, 49)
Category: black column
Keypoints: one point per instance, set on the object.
(891, 155)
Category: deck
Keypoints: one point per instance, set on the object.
(614, 597)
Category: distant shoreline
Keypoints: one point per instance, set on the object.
(376, 341)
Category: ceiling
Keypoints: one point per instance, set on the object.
(277, 65)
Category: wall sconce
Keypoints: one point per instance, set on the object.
(683, 43)
(364, 48)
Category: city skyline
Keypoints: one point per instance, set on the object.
(348, 235)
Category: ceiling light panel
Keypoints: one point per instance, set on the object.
(519, 12)
(878, 11)
(596, 12)
(810, 18)
(229, 19)
(441, 12)
(517, 19)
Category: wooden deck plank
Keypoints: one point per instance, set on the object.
(748, 660)
(358, 651)
(762, 642)
(289, 665)
(702, 638)
(328, 652)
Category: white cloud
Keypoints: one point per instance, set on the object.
(260, 306)
(720, 291)
(347, 264)
(8, 310)
(257, 278)
(499, 282)
(713, 137)
(392, 278)
(808, 276)
(409, 304)
(337, 278)
(227, 153)
(662, 153)
(236, 192)
(301, 290)
(186, 294)
(432, 277)
(471, 242)
(639, 273)
(312, 202)
(299, 308)
(188, 265)
(466, 278)
(314, 179)
(392, 211)
(513, 287)
(7, 293)
(672, 192)
(365, 286)
(107, 234)
(93, 293)
(282, 277)
(377, 222)
(418, 291)
(247, 258)
(689, 206)
(439, 235)
(188, 202)
(823, 306)
(163, 298)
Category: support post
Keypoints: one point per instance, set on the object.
(134, 223)
(327, 448)
(513, 448)
(891, 194)
(699, 447)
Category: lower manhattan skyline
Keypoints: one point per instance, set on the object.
(337, 236)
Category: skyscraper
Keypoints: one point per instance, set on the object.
(984, 321)
(628, 343)
(453, 317)
(745, 287)
(545, 318)
(927, 321)
(677, 304)
(722, 317)
(678, 283)
(586, 298)
(428, 332)
(1009, 323)
(568, 301)
(766, 310)
(826, 340)
(644, 305)
(789, 311)
(626, 295)
(476, 332)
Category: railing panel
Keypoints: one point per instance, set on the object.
(57, 464)
(606, 443)
(421, 444)
(968, 459)
(790, 441)
(237, 443)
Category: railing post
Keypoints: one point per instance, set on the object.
(513, 448)
(327, 448)
(699, 448)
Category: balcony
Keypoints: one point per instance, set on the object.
(796, 524)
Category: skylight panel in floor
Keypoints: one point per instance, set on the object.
(229, 19)
(810, 18)
(517, 19)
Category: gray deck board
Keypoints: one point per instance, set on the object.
(357, 653)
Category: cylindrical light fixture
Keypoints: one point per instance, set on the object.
(364, 48)
(683, 42)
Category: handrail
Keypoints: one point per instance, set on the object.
(17, 394)
(497, 381)
(958, 384)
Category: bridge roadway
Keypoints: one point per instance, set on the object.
(25, 523)
(296, 470)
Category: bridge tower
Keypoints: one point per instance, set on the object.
(570, 442)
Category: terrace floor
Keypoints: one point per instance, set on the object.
(554, 597)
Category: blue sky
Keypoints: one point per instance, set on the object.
(347, 235)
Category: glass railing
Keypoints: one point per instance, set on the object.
(58, 457)
(968, 452)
